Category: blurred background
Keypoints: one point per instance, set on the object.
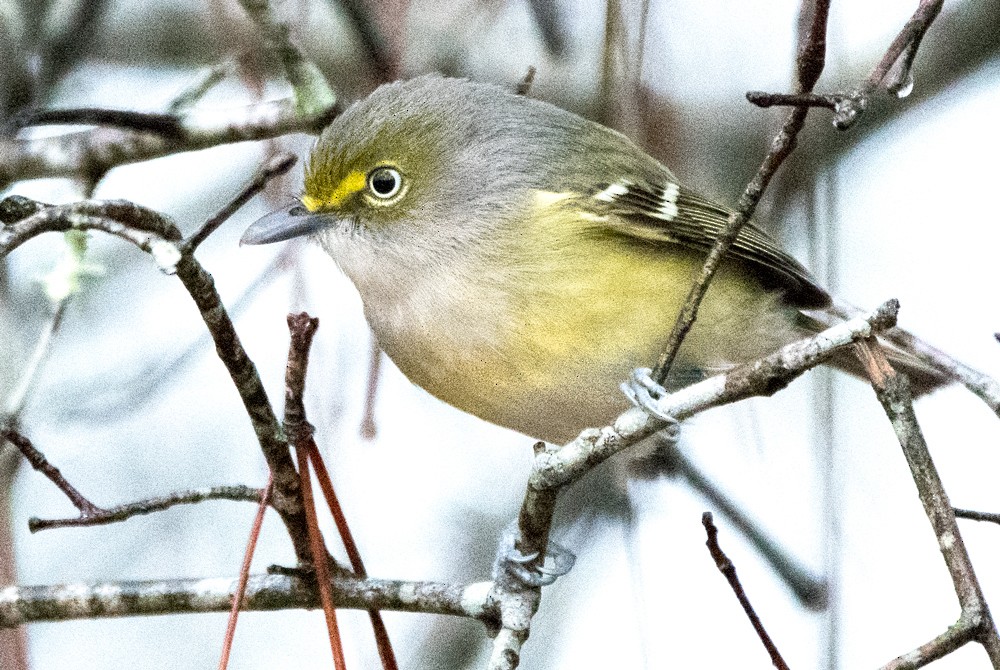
(131, 401)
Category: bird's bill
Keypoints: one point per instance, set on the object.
(284, 225)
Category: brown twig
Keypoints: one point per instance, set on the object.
(894, 71)
(893, 392)
(241, 582)
(319, 554)
(275, 167)
(302, 328)
(238, 493)
(165, 125)
(809, 65)
(992, 517)
(382, 642)
(41, 464)
(728, 570)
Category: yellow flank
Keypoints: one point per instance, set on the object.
(348, 186)
(578, 310)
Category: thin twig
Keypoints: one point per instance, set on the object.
(302, 328)
(319, 558)
(241, 582)
(894, 72)
(38, 461)
(382, 642)
(236, 493)
(809, 65)
(728, 570)
(165, 125)
(275, 167)
(992, 517)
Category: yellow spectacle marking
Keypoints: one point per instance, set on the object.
(348, 186)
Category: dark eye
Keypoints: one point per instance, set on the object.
(385, 182)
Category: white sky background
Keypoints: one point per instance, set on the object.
(910, 210)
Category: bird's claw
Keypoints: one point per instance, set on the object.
(528, 568)
(643, 391)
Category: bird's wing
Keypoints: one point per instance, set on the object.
(671, 213)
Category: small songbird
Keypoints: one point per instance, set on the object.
(519, 261)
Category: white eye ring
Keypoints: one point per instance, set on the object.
(384, 182)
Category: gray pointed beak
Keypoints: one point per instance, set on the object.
(284, 225)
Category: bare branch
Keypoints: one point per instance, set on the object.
(893, 391)
(97, 151)
(992, 517)
(100, 517)
(275, 167)
(809, 65)
(893, 72)
(25, 604)
(728, 570)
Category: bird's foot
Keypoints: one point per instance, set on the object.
(644, 391)
(531, 569)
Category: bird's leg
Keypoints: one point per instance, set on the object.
(530, 569)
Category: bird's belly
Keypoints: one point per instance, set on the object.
(548, 362)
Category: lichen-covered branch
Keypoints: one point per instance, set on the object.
(26, 604)
(893, 392)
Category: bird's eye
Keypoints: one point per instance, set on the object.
(384, 182)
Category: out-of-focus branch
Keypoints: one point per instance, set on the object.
(97, 151)
(26, 604)
(975, 622)
(384, 61)
(313, 95)
(62, 51)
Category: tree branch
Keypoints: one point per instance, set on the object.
(893, 392)
(26, 604)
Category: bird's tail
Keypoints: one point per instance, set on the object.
(924, 376)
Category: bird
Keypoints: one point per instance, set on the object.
(518, 261)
